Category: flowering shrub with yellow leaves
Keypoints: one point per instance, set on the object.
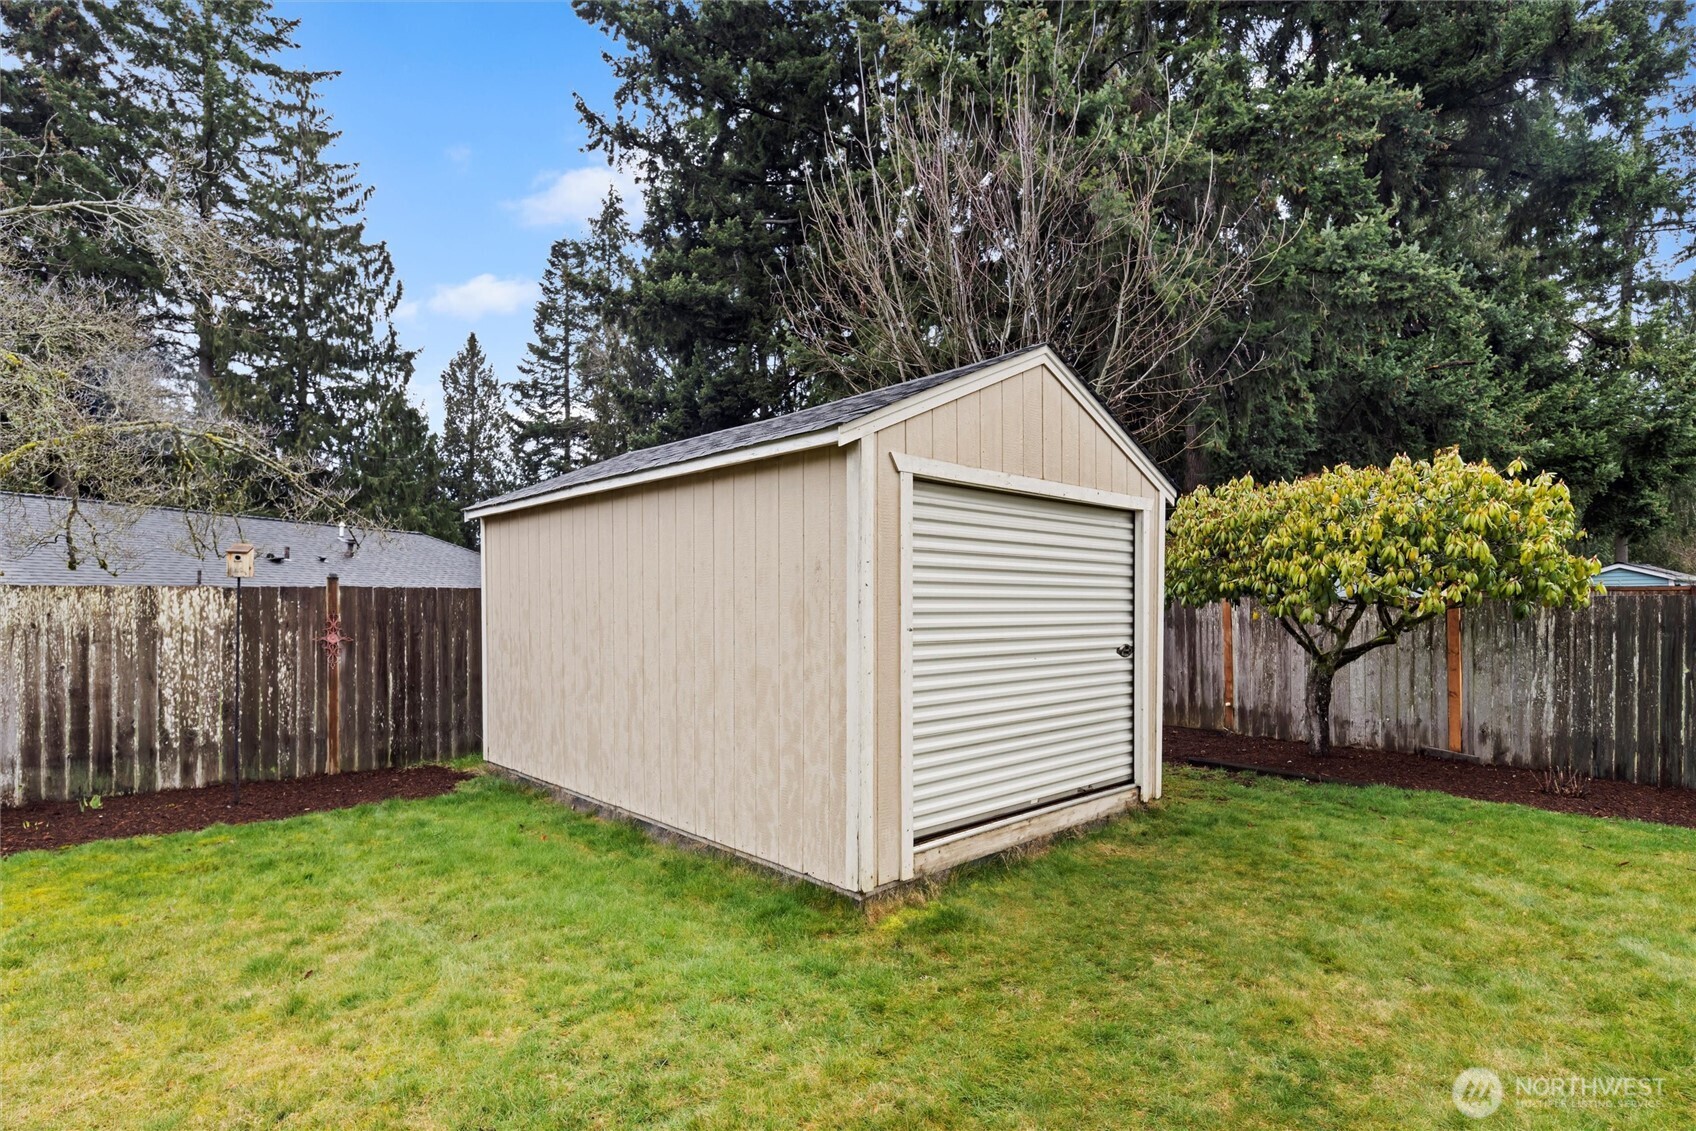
(1351, 558)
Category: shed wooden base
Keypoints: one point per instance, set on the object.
(1021, 829)
(660, 831)
(931, 862)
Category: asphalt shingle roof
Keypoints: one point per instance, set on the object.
(153, 546)
(815, 419)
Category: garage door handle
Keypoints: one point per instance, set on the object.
(1124, 651)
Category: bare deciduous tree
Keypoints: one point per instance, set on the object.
(985, 229)
(92, 410)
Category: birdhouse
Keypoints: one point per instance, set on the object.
(238, 560)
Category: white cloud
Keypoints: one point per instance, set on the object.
(406, 311)
(575, 196)
(460, 155)
(483, 294)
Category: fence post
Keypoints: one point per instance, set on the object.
(1457, 703)
(1229, 664)
(333, 692)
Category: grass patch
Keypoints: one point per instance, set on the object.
(1245, 955)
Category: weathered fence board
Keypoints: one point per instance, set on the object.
(1609, 690)
(126, 689)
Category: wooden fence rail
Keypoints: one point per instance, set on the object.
(1609, 690)
(121, 689)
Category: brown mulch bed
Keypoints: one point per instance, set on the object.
(56, 824)
(1668, 805)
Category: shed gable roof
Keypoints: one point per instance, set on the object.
(822, 420)
(807, 420)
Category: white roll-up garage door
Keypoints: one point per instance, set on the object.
(1021, 677)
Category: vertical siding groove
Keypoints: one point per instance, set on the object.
(672, 655)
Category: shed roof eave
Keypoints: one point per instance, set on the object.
(952, 385)
(824, 437)
(754, 435)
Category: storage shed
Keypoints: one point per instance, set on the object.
(859, 643)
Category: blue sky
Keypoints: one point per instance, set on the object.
(461, 116)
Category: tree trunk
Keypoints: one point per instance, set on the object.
(206, 361)
(1319, 677)
(1195, 456)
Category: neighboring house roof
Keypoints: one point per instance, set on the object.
(825, 418)
(1626, 575)
(154, 546)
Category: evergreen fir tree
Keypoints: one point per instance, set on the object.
(616, 382)
(209, 67)
(71, 129)
(545, 431)
(476, 433)
(189, 103)
(393, 462)
(314, 354)
(1482, 203)
(721, 107)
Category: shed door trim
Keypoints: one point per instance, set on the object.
(923, 468)
(1140, 508)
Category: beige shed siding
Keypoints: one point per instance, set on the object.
(1028, 424)
(679, 650)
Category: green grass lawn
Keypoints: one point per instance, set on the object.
(1248, 954)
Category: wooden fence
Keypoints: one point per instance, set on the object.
(1609, 690)
(122, 689)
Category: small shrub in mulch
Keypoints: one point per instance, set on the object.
(1563, 793)
(1562, 781)
(57, 824)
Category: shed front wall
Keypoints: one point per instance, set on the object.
(1028, 424)
(679, 650)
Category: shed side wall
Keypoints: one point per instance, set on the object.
(1028, 424)
(679, 650)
